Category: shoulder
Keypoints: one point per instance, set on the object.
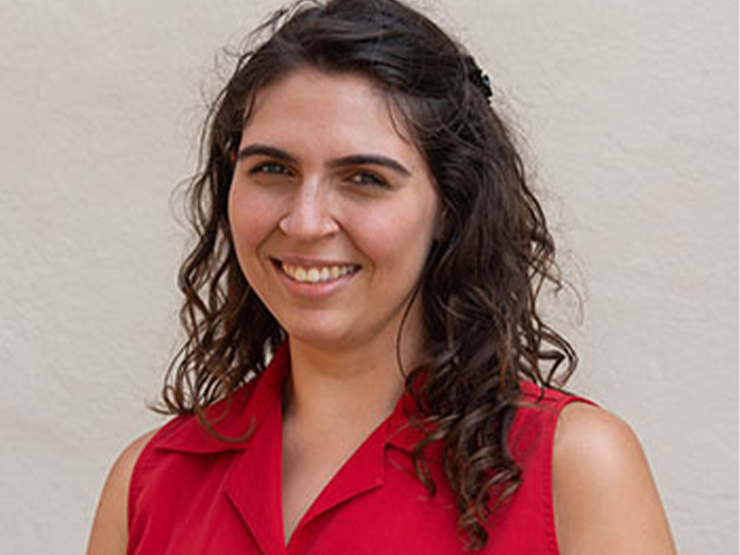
(604, 496)
(109, 530)
(536, 420)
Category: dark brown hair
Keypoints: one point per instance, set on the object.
(479, 287)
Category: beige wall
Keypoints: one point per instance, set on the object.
(629, 108)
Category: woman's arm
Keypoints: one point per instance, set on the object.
(109, 534)
(604, 496)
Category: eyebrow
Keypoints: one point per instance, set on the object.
(370, 160)
(351, 160)
(264, 150)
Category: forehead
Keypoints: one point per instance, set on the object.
(309, 105)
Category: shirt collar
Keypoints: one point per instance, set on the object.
(235, 417)
(238, 416)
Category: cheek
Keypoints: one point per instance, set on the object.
(250, 222)
(396, 241)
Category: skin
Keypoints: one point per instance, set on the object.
(605, 500)
(109, 534)
(306, 192)
(312, 203)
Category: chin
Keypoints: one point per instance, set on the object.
(318, 334)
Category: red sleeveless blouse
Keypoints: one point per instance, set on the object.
(191, 494)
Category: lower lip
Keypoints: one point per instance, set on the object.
(318, 290)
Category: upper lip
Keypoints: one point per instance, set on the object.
(305, 262)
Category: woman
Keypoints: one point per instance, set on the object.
(365, 223)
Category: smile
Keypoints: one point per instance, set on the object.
(317, 274)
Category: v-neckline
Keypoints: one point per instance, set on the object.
(254, 482)
(362, 470)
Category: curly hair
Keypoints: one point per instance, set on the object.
(482, 278)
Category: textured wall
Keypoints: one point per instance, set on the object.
(629, 110)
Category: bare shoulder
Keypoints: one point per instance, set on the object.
(109, 533)
(604, 496)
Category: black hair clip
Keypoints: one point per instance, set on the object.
(479, 78)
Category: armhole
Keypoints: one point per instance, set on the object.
(139, 468)
(548, 468)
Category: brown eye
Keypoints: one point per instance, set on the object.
(368, 178)
(270, 168)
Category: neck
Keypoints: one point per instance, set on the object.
(351, 387)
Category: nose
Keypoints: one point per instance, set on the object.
(309, 214)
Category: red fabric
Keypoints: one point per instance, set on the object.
(193, 494)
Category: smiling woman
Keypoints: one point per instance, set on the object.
(332, 234)
(366, 370)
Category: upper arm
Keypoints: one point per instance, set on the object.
(109, 535)
(604, 496)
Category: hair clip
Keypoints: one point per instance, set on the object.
(479, 78)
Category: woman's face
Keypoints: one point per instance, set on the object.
(332, 212)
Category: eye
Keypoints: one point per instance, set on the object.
(270, 168)
(365, 177)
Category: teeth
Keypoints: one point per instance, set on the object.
(317, 275)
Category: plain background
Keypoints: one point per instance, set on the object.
(629, 113)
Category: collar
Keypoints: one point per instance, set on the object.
(243, 412)
(236, 417)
